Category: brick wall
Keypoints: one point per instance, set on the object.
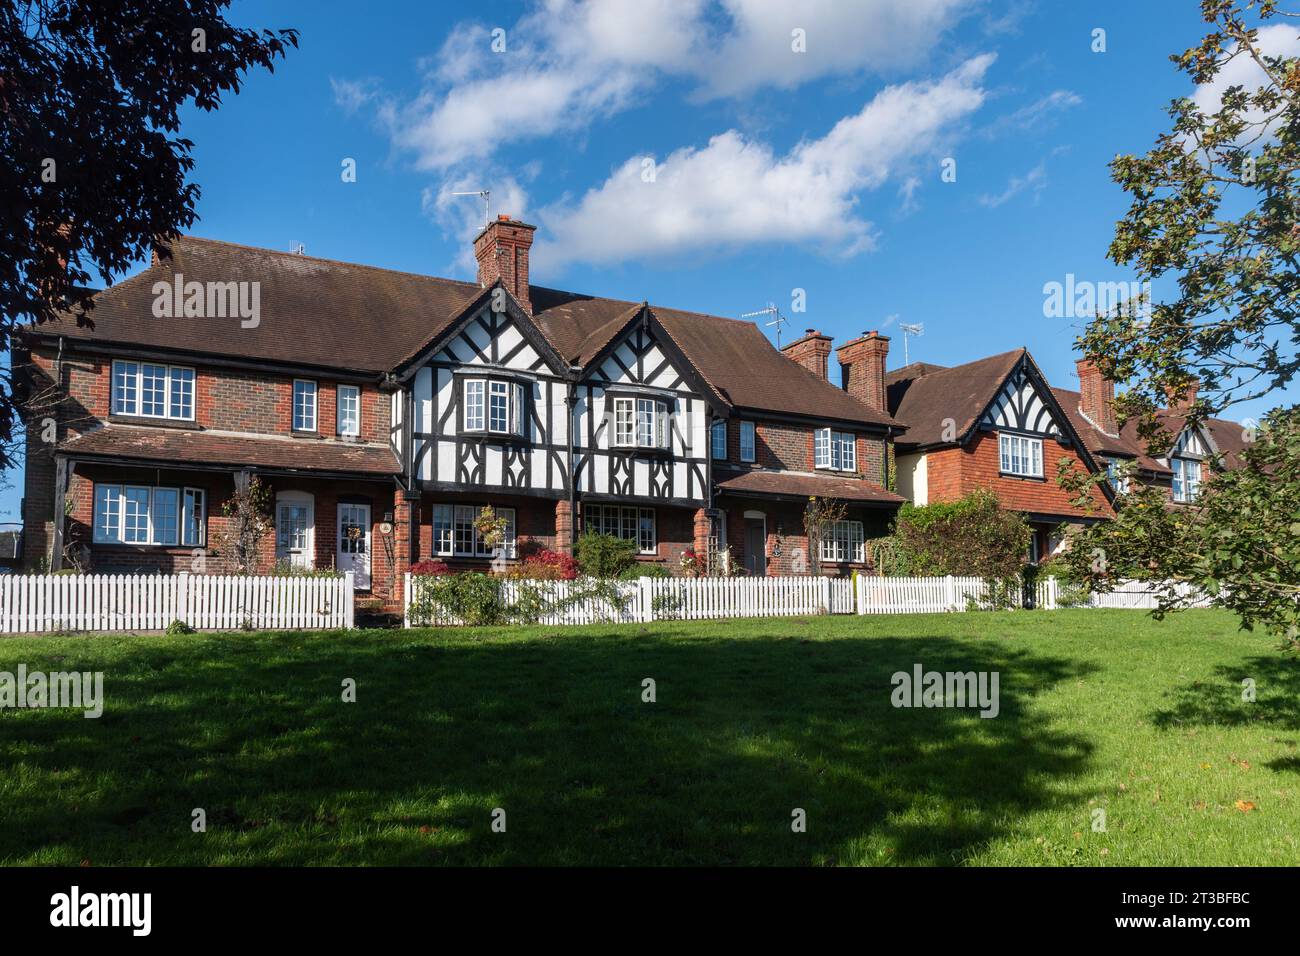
(789, 446)
(787, 542)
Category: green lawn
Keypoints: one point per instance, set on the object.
(1099, 709)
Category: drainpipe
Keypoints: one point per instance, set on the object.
(569, 397)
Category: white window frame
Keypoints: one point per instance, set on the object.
(845, 543)
(303, 406)
(126, 386)
(627, 522)
(480, 395)
(1020, 456)
(719, 430)
(448, 521)
(748, 440)
(836, 451)
(109, 514)
(194, 501)
(1118, 483)
(348, 423)
(1185, 486)
(640, 422)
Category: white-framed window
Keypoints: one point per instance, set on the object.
(150, 390)
(495, 406)
(454, 534)
(845, 541)
(719, 440)
(622, 521)
(304, 405)
(145, 515)
(1118, 481)
(640, 423)
(349, 410)
(1021, 456)
(747, 441)
(1187, 478)
(837, 451)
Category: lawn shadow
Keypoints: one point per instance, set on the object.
(744, 731)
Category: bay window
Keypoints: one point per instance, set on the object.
(149, 390)
(144, 515)
(837, 451)
(844, 542)
(640, 423)
(620, 521)
(454, 534)
(495, 406)
(1021, 456)
(1187, 478)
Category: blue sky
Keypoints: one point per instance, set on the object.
(774, 170)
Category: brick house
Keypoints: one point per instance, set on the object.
(383, 409)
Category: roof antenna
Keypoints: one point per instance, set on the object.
(777, 319)
(482, 194)
(297, 248)
(910, 329)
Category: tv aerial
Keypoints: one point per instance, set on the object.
(910, 329)
(482, 194)
(778, 319)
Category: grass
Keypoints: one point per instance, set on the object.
(1099, 710)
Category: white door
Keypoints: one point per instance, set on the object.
(354, 543)
(295, 523)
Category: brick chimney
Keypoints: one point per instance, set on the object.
(1180, 403)
(502, 253)
(1097, 397)
(862, 364)
(813, 352)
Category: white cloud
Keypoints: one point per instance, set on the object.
(1242, 70)
(1035, 113)
(1035, 179)
(735, 191)
(569, 63)
(463, 216)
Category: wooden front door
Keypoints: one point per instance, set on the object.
(756, 547)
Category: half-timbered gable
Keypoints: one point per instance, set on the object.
(640, 426)
(488, 408)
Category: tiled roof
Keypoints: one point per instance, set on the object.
(178, 445)
(320, 312)
(766, 482)
(923, 396)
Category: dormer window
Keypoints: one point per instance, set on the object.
(494, 406)
(837, 451)
(640, 423)
(1187, 478)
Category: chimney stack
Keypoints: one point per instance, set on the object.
(1180, 402)
(1097, 397)
(502, 253)
(862, 364)
(813, 352)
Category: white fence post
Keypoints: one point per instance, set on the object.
(349, 599)
(645, 600)
(950, 592)
(183, 597)
(825, 594)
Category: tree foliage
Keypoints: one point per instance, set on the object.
(95, 174)
(971, 536)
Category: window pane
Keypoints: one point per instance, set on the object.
(822, 448)
(304, 406)
(153, 390)
(125, 393)
(645, 423)
(720, 440)
(628, 529)
(442, 529)
(848, 452)
(623, 434)
(746, 441)
(498, 407)
(166, 502)
(192, 524)
(474, 404)
(508, 539)
(182, 393)
(349, 410)
(518, 411)
(463, 529)
(646, 532)
(135, 515)
(108, 513)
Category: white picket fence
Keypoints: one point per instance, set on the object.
(150, 602)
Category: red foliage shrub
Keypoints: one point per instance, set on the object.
(547, 565)
(432, 567)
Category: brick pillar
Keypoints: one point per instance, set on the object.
(564, 526)
(703, 525)
(404, 544)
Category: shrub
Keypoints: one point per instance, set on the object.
(971, 536)
(546, 565)
(604, 556)
(177, 627)
(283, 569)
(472, 598)
(645, 570)
(430, 567)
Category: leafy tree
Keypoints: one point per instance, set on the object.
(970, 536)
(1215, 207)
(248, 520)
(95, 173)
